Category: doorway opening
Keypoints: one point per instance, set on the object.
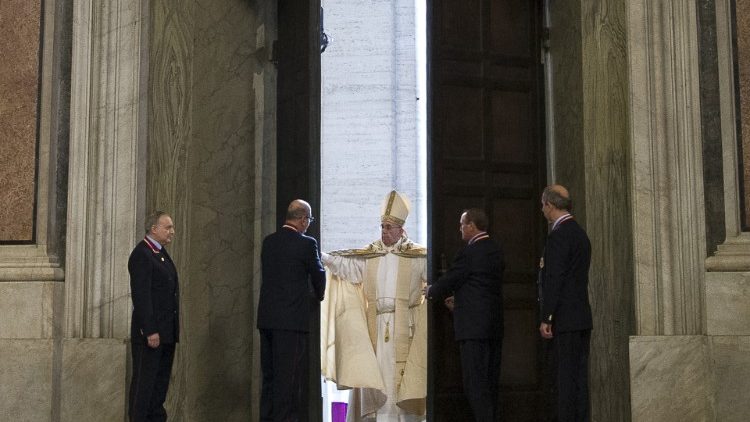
(373, 125)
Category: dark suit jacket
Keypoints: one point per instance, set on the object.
(155, 292)
(292, 276)
(565, 278)
(476, 281)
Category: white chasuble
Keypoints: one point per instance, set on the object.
(374, 331)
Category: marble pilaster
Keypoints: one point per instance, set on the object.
(106, 165)
(666, 167)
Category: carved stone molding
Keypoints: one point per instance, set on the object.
(734, 254)
(668, 216)
(107, 169)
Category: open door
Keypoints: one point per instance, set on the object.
(298, 138)
(486, 149)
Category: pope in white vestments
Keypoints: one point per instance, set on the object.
(374, 322)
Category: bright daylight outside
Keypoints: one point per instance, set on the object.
(373, 135)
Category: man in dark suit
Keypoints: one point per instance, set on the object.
(566, 313)
(475, 281)
(292, 277)
(155, 327)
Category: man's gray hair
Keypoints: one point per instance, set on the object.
(552, 196)
(153, 219)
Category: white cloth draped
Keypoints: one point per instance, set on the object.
(347, 275)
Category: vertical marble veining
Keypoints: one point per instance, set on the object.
(591, 157)
(608, 203)
(202, 170)
(567, 94)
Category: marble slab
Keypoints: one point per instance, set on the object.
(731, 361)
(93, 381)
(728, 303)
(26, 379)
(28, 309)
(670, 379)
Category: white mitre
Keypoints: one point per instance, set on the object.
(395, 209)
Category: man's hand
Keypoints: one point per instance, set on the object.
(546, 330)
(450, 303)
(153, 340)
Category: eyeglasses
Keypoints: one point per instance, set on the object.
(312, 219)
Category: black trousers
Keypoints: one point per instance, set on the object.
(480, 367)
(148, 387)
(284, 363)
(572, 353)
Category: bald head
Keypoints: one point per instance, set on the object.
(558, 197)
(298, 209)
(555, 202)
(299, 215)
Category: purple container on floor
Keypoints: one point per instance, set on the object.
(338, 412)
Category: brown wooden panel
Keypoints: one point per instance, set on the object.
(511, 128)
(520, 180)
(513, 73)
(511, 23)
(461, 69)
(460, 24)
(520, 368)
(515, 223)
(462, 121)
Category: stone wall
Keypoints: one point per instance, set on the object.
(208, 153)
(590, 155)
(172, 106)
